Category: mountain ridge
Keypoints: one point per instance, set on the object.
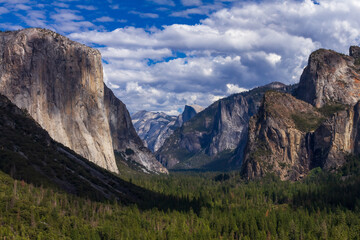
(320, 129)
(216, 136)
(155, 127)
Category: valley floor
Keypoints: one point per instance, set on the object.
(195, 206)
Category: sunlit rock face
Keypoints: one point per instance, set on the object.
(290, 136)
(124, 136)
(155, 127)
(60, 83)
(331, 77)
(215, 138)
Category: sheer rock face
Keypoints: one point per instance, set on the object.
(60, 83)
(215, 138)
(331, 77)
(189, 112)
(155, 128)
(275, 143)
(354, 52)
(337, 137)
(280, 145)
(124, 136)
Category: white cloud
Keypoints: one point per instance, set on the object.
(67, 20)
(142, 53)
(104, 19)
(233, 49)
(273, 58)
(3, 10)
(14, 1)
(198, 10)
(191, 2)
(60, 4)
(9, 26)
(66, 15)
(22, 7)
(87, 7)
(163, 2)
(34, 18)
(233, 88)
(145, 15)
(172, 113)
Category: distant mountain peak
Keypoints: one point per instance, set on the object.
(155, 127)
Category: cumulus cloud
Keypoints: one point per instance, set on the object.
(234, 49)
(141, 53)
(233, 88)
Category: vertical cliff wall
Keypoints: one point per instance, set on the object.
(290, 136)
(124, 137)
(331, 77)
(216, 137)
(154, 127)
(60, 83)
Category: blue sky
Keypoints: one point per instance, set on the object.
(159, 55)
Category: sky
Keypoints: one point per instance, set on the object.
(159, 55)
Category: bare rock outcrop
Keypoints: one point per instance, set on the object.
(189, 112)
(124, 137)
(60, 83)
(153, 127)
(289, 137)
(216, 137)
(278, 137)
(336, 138)
(331, 77)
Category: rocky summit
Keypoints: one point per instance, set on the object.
(216, 137)
(291, 136)
(154, 128)
(331, 77)
(126, 143)
(60, 83)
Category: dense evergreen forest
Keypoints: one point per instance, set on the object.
(195, 206)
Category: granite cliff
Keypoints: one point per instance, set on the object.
(60, 83)
(291, 136)
(189, 112)
(28, 153)
(215, 138)
(155, 128)
(126, 143)
(331, 77)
